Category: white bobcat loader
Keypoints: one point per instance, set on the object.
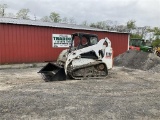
(86, 58)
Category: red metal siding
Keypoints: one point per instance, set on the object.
(24, 44)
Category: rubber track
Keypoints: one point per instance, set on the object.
(70, 73)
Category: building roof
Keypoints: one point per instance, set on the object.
(49, 24)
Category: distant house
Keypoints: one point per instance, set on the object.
(150, 36)
(138, 30)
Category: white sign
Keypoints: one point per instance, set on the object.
(61, 40)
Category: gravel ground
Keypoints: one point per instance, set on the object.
(126, 94)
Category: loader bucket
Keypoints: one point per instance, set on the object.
(53, 72)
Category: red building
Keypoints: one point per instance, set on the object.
(24, 41)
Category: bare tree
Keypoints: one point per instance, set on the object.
(72, 20)
(11, 15)
(85, 23)
(107, 25)
(2, 9)
(45, 19)
(93, 25)
(121, 28)
(65, 20)
(23, 14)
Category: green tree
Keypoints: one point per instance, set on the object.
(55, 17)
(137, 36)
(149, 29)
(23, 14)
(156, 30)
(131, 24)
(156, 43)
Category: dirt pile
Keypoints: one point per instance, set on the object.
(138, 60)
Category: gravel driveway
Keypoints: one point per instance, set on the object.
(126, 94)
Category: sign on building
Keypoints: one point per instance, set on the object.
(61, 40)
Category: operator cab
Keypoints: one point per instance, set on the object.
(82, 40)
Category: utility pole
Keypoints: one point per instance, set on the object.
(35, 18)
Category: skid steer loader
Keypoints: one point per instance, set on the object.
(86, 58)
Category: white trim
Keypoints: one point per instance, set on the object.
(128, 40)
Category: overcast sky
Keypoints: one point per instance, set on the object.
(144, 12)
